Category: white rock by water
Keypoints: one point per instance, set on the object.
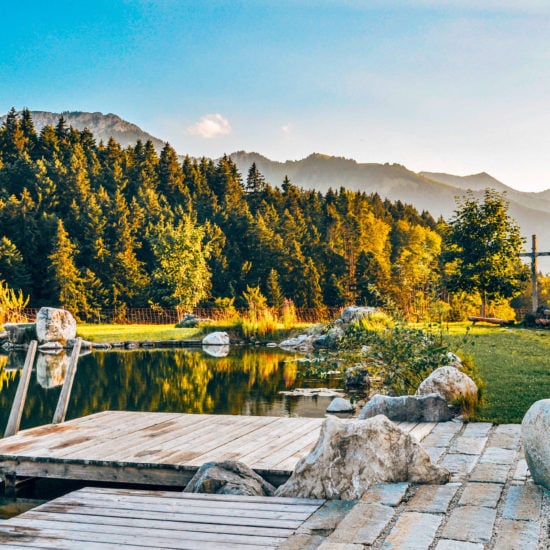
(535, 434)
(340, 405)
(356, 313)
(351, 455)
(449, 382)
(216, 339)
(54, 325)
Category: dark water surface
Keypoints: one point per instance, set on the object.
(247, 381)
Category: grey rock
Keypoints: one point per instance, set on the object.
(55, 325)
(187, 321)
(356, 313)
(228, 478)
(357, 377)
(535, 434)
(408, 408)
(339, 404)
(216, 339)
(450, 383)
(351, 455)
(101, 345)
(20, 333)
(304, 342)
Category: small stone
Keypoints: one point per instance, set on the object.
(216, 339)
(340, 405)
(459, 465)
(228, 478)
(450, 383)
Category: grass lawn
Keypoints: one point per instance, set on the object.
(122, 333)
(514, 363)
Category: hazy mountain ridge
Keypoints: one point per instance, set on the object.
(102, 126)
(432, 191)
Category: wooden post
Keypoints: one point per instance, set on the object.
(21, 394)
(63, 402)
(534, 271)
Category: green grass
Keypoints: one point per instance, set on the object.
(121, 333)
(514, 363)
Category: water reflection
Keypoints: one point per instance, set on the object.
(246, 381)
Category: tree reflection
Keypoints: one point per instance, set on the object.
(247, 381)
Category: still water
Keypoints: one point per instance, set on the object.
(247, 381)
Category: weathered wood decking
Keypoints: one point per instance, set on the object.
(117, 518)
(162, 448)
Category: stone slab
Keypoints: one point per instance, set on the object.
(460, 465)
(363, 525)
(490, 473)
(503, 440)
(510, 429)
(446, 544)
(517, 535)
(481, 494)
(432, 499)
(413, 531)
(496, 455)
(477, 429)
(328, 516)
(468, 445)
(523, 502)
(470, 524)
(302, 541)
(328, 545)
(389, 494)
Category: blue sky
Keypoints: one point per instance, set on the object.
(460, 86)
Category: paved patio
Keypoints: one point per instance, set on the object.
(490, 502)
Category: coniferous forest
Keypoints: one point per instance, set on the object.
(88, 225)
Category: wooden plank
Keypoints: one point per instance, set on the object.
(64, 396)
(278, 514)
(163, 539)
(257, 500)
(14, 420)
(203, 523)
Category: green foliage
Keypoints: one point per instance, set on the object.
(481, 248)
(12, 303)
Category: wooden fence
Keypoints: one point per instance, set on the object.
(170, 316)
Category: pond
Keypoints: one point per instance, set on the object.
(248, 381)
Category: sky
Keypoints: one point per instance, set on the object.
(457, 86)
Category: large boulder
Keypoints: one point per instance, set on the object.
(351, 455)
(356, 313)
(535, 434)
(228, 478)
(303, 342)
(450, 383)
(54, 325)
(408, 408)
(216, 339)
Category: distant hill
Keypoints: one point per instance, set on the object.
(102, 126)
(434, 192)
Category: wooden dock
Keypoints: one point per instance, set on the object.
(163, 449)
(128, 519)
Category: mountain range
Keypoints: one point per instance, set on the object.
(431, 191)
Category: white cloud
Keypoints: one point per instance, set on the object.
(210, 126)
(287, 128)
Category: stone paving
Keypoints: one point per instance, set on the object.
(490, 502)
